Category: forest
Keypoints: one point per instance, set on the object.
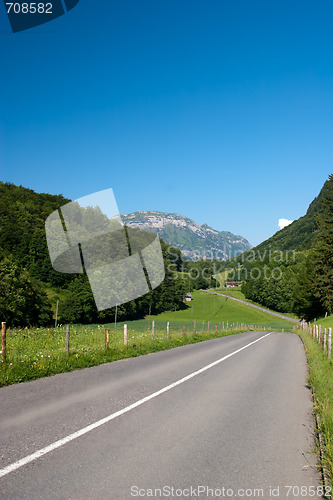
(30, 287)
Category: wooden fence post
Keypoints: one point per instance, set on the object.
(67, 339)
(184, 334)
(208, 326)
(168, 330)
(329, 342)
(125, 334)
(216, 328)
(56, 315)
(324, 339)
(4, 342)
(107, 337)
(153, 330)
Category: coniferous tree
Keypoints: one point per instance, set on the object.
(323, 251)
(306, 302)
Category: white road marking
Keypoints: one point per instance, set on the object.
(57, 444)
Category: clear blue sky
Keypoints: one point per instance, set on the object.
(220, 110)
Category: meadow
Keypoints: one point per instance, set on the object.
(39, 352)
(238, 294)
(214, 308)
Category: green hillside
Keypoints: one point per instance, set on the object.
(325, 322)
(298, 235)
(31, 287)
(22, 222)
(293, 270)
(214, 308)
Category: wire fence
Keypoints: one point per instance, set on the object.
(323, 336)
(32, 345)
(38, 345)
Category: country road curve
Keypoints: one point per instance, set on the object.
(229, 416)
(273, 313)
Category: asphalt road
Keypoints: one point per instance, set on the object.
(243, 424)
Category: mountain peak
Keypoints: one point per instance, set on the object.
(194, 241)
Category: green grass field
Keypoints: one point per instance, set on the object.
(214, 308)
(238, 294)
(39, 352)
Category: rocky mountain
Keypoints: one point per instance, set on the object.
(194, 241)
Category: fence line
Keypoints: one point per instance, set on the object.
(37, 346)
(322, 336)
(185, 326)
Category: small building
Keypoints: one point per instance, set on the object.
(232, 284)
(188, 297)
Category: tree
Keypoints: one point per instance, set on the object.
(323, 250)
(79, 306)
(306, 302)
(22, 302)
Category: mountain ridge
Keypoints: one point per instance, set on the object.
(194, 240)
